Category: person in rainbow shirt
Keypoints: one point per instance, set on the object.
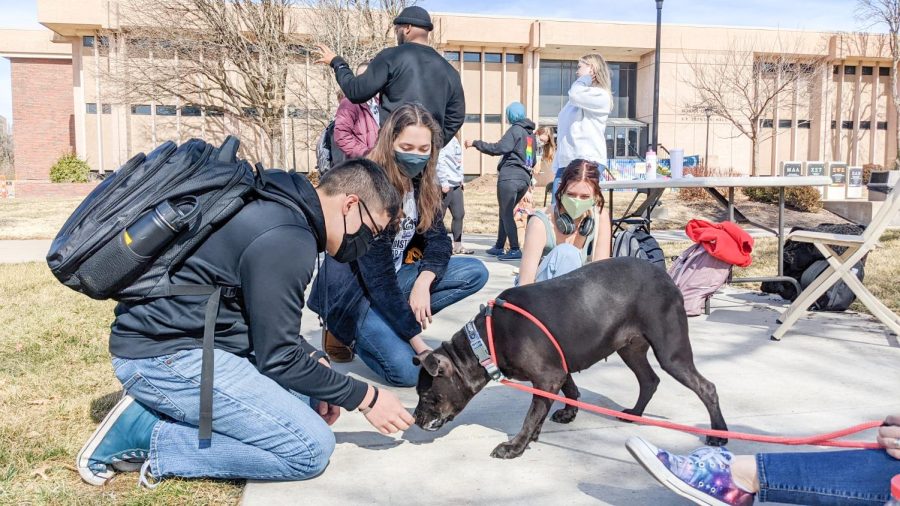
(518, 149)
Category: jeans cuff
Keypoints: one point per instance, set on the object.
(155, 468)
(761, 475)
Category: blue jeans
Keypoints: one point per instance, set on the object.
(850, 477)
(386, 353)
(261, 431)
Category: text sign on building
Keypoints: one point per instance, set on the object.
(854, 182)
(791, 168)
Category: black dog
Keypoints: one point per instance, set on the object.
(623, 305)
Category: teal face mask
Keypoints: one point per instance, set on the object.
(576, 207)
(412, 164)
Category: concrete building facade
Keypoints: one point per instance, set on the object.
(845, 111)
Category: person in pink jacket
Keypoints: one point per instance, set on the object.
(356, 125)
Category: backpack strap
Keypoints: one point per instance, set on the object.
(208, 356)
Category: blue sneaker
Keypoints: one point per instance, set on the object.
(120, 443)
(703, 477)
(513, 254)
(495, 251)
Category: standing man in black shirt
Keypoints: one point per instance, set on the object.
(410, 72)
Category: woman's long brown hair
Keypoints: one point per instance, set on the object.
(550, 145)
(428, 202)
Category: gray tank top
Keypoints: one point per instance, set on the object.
(551, 234)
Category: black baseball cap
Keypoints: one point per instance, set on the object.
(415, 16)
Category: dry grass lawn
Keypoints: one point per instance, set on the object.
(34, 218)
(55, 383)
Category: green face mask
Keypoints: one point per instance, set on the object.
(576, 207)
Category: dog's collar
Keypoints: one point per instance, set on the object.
(481, 352)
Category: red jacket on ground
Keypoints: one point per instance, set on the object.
(725, 241)
(355, 129)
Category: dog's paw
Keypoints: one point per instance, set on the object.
(507, 451)
(628, 411)
(564, 415)
(715, 441)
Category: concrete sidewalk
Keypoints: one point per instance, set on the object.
(14, 251)
(830, 372)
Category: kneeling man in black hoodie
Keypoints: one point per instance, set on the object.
(274, 394)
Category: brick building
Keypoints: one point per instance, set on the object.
(59, 103)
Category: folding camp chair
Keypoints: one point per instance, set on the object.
(840, 267)
(641, 214)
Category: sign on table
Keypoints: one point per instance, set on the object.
(792, 168)
(855, 183)
(816, 169)
(838, 188)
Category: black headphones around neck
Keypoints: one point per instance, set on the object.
(566, 225)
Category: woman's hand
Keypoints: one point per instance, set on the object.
(420, 298)
(329, 412)
(445, 189)
(889, 436)
(419, 346)
(469, 144)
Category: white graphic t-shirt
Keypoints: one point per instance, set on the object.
(407, 229)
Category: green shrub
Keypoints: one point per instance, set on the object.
(70, 169)
(801, 198)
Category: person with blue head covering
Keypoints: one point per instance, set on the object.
(518, 151)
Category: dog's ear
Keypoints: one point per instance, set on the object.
(434, 364)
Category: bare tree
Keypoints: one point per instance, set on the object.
(886, 13)
(6, 151)
(743, 86)
(356, 30)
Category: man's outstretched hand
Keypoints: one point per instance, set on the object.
(326, 55)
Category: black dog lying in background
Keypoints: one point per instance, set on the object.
(622, 305)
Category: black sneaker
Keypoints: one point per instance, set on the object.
(495, 251)
(513, 254)
(120, 443)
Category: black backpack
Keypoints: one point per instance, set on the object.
(839, 296)
(800, 256)
(636, 241)
(94, 253)
(328, 154)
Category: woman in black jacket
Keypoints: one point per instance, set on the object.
(519, 152)
(379, 305)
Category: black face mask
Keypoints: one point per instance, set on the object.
(357, 244)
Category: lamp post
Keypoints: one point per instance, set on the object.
(655, 140)
(708, 110)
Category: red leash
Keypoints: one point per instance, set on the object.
(829, 439)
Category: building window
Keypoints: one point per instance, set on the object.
(451, 55)
(803, 123)
(473, 118)
(251, 112)
(557, 76)
(90, 108)
(106, 108)
(140, 109)
(87, 41)
(785, 123)
(294, 112)
(515, 58)
(833, 124)
(881, 125)
(865, 125)
(492, 118)
(867, 71)
(166, 110)
(470, 57)
(884, 71)
(836, 69)
(847, 125)
(190, 110)
(849, 70)
(766, 123)
(215, 111)
(493, 58)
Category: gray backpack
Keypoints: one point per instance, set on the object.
(698, 275)
(636, 241)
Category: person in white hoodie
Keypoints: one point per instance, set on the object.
(581, 127)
